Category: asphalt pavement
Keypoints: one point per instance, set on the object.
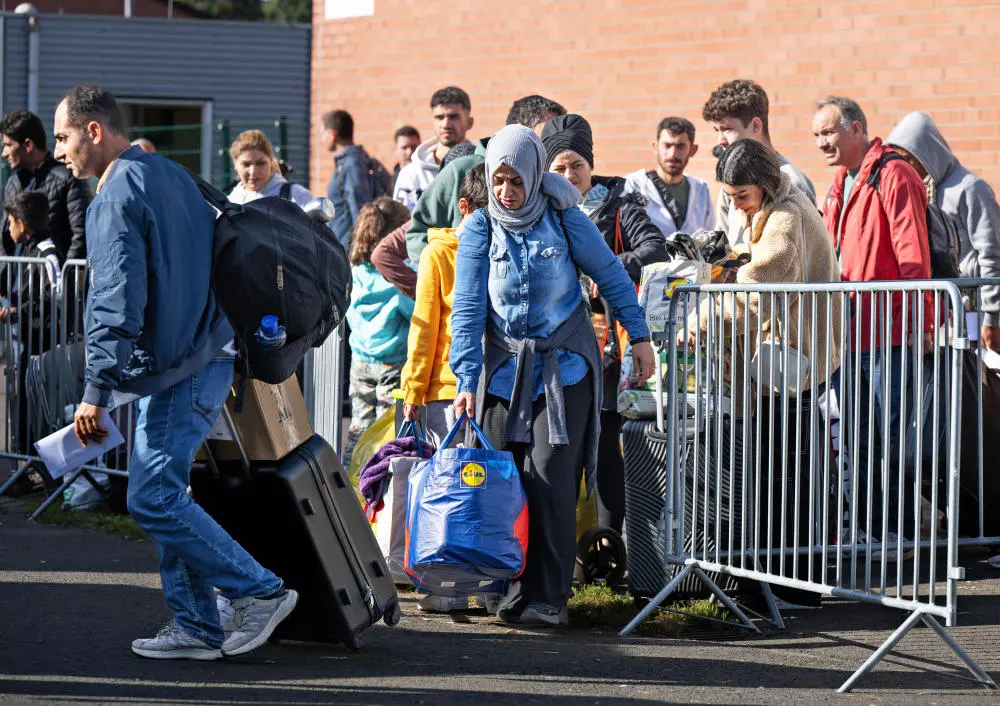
(71, 601)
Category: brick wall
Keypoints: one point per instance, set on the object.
(625, 64)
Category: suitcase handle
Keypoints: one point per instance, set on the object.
(656, 436)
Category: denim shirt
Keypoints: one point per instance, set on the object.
(527, 285)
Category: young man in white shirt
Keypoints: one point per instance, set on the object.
(677, 202)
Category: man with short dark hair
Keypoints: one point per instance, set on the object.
(406, 140)
(357, 178)
(677, 202)
(451, 110)
(739, 110)
(438, 208)
(155, 331)
(24, 148)
(534, 111)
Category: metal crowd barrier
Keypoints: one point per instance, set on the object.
(43, 363)
(979, 525)
(844, 464)
(324, 388)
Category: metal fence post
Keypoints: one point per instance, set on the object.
(223, 130)
(282, 126)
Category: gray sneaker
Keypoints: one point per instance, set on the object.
(543, 615)
(173, 643)
(254, 619)
(491, 602)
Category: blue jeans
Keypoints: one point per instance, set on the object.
(196, 554)
(874, 366)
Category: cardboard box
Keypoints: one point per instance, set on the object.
(274, 421)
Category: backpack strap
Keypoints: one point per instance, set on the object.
(875, 175)
(285, 191)
(562, 225)
(212, 195)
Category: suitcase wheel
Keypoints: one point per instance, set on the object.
(393, 613)
(600, 554)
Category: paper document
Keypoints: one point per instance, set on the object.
(62, 451)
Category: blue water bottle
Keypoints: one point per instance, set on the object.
(270, 334)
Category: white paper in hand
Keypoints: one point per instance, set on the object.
(62, 451)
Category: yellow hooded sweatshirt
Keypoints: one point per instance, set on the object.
(427, 377)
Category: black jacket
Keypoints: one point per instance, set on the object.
(642, 242)
(68, 201)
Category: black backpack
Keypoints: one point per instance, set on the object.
(269, 257)
(942, 233)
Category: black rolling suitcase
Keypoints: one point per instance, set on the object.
(645, 452)
(300, 518)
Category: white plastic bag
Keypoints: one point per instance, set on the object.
(81, 495)
(656, 287)
(768, 368)
(389, 525)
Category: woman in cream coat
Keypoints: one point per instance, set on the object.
(788, 243)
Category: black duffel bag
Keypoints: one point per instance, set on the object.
(271, 258)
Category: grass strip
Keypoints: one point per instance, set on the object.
(118, 525)
(597, 606)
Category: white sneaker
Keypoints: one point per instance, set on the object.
(543, 615)
(442, 604)
(254, 619)
(173, 643)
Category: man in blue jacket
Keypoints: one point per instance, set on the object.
(154, 331)
(357, 179)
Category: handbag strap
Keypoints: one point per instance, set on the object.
(483, 439)
(416, 430)
(619, 243)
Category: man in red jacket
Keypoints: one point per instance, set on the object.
(876, 214)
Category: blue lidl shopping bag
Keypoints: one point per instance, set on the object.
(466, 519)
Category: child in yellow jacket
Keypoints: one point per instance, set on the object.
(427, 381)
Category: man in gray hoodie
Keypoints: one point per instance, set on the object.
(967, 199)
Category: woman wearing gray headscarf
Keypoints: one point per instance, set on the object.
(516, 282)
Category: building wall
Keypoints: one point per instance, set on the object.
(140, 8)
(625, 64)
(253, 72)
